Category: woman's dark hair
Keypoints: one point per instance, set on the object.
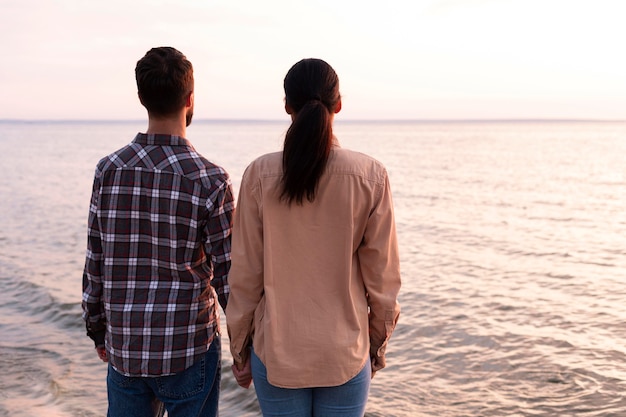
(312, 94)
(164, 80)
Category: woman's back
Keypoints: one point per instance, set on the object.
(315, 312)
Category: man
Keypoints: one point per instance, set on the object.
(158, 256)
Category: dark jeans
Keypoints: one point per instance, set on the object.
(193, 392)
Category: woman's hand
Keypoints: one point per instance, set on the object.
(243, 373)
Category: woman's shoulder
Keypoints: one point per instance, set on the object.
(350, 161)
(356, 155)
(268, 164)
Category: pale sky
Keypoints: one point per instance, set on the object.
(408, 59)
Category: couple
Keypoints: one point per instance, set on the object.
(311, 297)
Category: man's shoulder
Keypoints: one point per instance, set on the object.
(181, 160)
(115, 159)
(205, 168)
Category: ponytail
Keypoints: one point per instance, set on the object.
(305, 152)
(312, 92)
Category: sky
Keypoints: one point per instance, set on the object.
(397, 59)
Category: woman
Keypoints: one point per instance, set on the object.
(315, 269)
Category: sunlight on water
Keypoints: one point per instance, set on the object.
(512, 236)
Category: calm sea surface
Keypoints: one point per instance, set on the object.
(513, 245)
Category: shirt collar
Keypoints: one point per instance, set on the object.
(161, 140)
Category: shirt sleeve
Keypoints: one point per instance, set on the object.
(380, 265)
(246, 275)
(218, 243)
(92, 305)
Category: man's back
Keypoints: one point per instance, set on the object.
(158, 210)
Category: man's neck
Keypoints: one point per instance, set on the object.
(167, 126)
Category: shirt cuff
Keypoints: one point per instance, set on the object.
(97, 336)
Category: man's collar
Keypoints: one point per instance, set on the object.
(161, 140)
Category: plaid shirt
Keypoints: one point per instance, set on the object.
(158, 253)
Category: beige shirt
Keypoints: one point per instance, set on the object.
(314, 287)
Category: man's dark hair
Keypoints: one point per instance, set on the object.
(164, 80)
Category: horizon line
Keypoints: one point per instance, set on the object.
(354, 120)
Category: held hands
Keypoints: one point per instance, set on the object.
(243, 373)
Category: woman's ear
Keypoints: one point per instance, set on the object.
(288, 109)
(338, 106)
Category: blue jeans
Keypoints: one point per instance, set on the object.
(191, 393)
(347, 400)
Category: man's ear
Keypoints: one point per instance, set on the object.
(189, 102)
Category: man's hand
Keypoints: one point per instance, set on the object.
(102, 354)
(243, 373)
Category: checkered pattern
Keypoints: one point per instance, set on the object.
(158, 255)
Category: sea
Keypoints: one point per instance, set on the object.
(513, 255)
